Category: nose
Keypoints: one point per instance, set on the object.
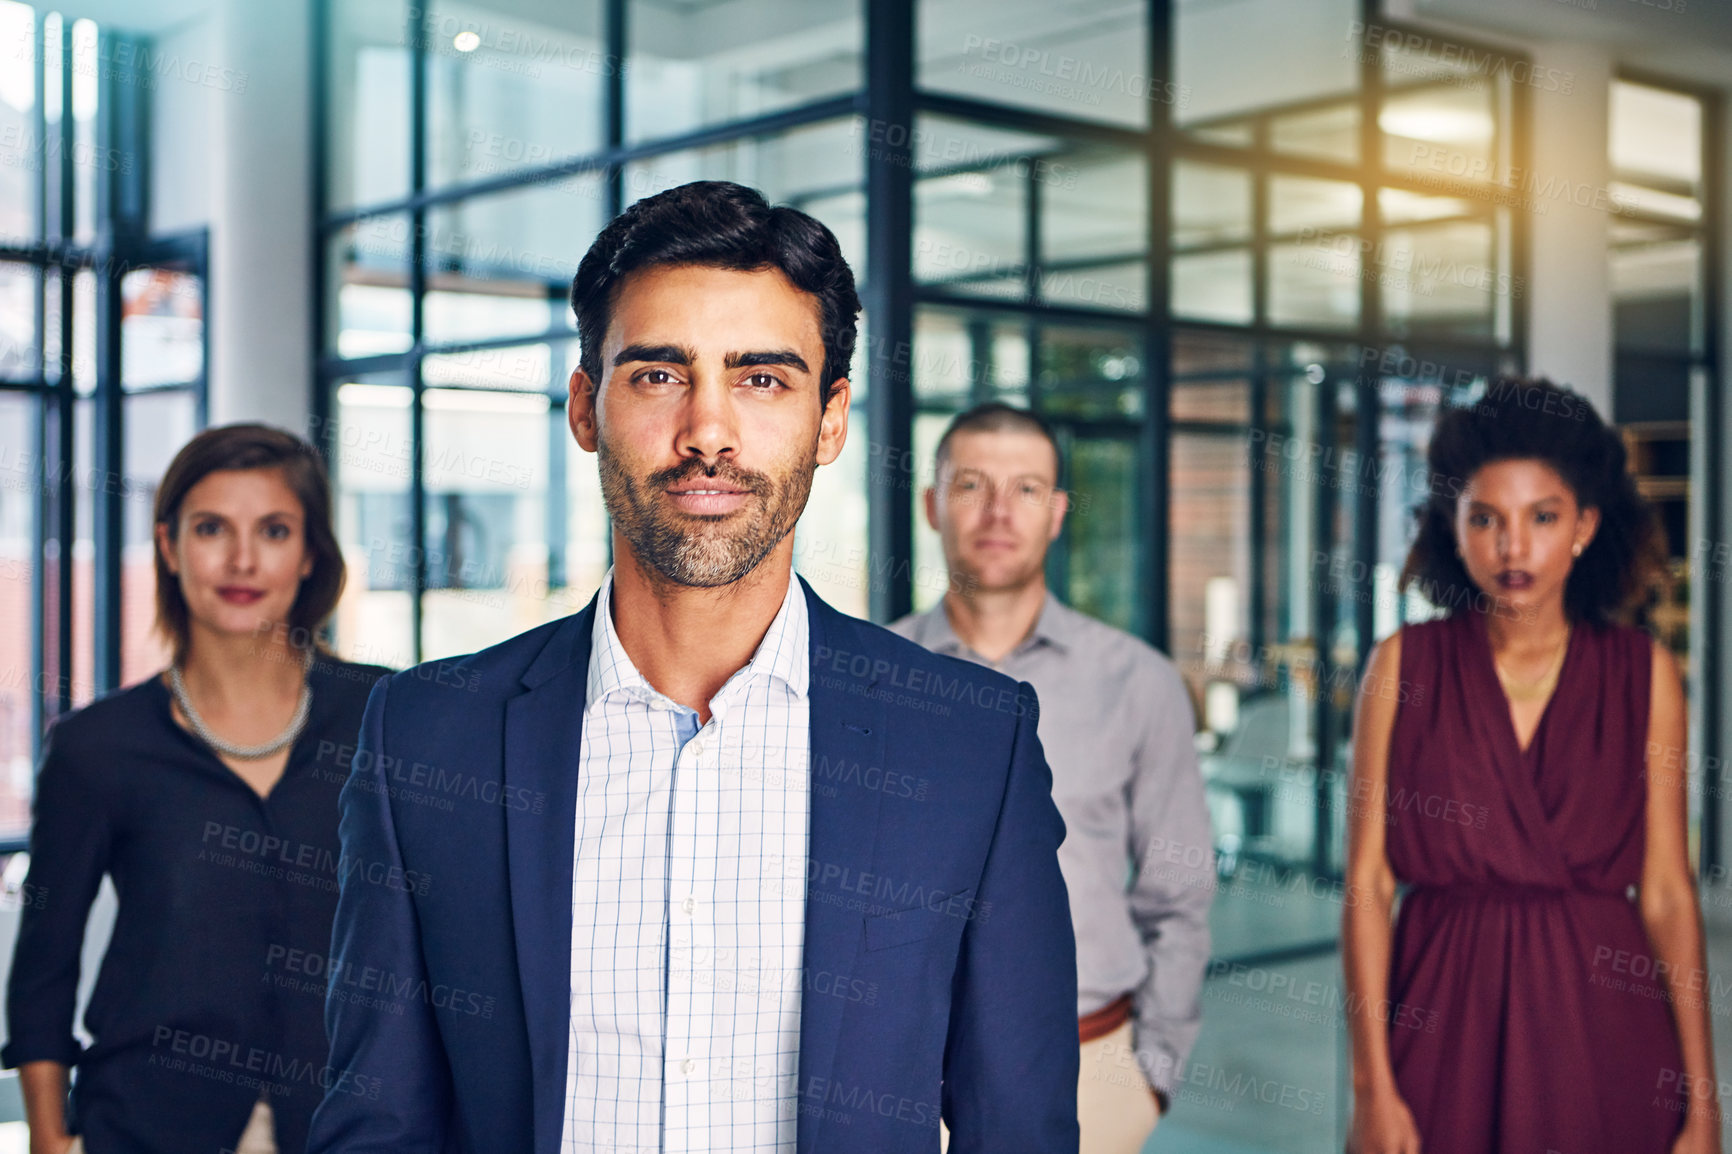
(709, 426)
(245, 553)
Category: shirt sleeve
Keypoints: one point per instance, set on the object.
(70, 840)
(1173, 849)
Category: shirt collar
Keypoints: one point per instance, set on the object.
(1053, 627)
(782, 654)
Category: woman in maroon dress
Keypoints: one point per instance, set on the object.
(1518, 768)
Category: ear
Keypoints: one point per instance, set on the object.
(1060, 506)
(580, 410)
(931, 502)
(833, 426)
(1587, 524)
(165, 547)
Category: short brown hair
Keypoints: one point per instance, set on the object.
(248, 446)
(998, 417)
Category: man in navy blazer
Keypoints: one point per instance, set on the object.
(909, 870)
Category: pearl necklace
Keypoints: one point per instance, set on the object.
(243, 752)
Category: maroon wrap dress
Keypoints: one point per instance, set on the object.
(1527, 1016)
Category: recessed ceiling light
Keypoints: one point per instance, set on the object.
(466, 41)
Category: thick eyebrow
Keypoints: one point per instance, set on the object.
(787, 357)
(1531, 504)
(666, 354)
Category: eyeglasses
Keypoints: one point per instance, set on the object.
(975, 487)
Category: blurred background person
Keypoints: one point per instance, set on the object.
(1516, 767)
(1117, 724)
(208, 794)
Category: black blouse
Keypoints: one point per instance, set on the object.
(212, 989)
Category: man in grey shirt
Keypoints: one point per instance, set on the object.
(1117, 725)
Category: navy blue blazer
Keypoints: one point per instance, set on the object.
(940, 966)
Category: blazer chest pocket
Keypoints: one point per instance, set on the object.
(900, 927)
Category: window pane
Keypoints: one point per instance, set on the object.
(18, 353)
(157, 425)
(1327, 133)
(19, 141)
(506, 92)
(1089, 373)
(694, 64)
(367, 125)
(816, 169)
(1094, 229)
(1656, 136)
(971, 193)
(486, 461)
(371, 455)
(1238, 60)
(368, 310)
(1090, 62)
(1441, 131)
(18, 560)
(161, 328)
(1213, 286)
(1314, 281)
(1442, 277)
(502, 265)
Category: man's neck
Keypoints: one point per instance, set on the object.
(994, 622)
(687, 642)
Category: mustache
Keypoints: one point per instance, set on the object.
(726, 471)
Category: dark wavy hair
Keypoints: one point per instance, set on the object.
(1520, 419)
(718, 224)
(251, 446)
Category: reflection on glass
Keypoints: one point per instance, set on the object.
(1442, 132)
(161, 328)
(371, 455)
(1085, 61)
(692, 65)
(18, 561)
(501, 265)
(368, 287)
(367, 122)
(507, 92)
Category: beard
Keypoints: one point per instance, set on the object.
(704, 552)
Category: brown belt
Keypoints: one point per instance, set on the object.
(1104, 1020)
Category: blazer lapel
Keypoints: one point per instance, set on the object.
(847, 727)
(543, 739)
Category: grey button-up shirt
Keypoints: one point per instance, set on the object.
(1138, 858)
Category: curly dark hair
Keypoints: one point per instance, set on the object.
(1538, 420)
(718, 224)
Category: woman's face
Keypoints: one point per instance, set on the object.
(239, 550)
(1518, 524)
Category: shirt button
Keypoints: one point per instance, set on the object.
(697, 748)
(687, 1066)
(690, 906)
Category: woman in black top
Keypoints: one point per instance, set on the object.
(209, 795)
